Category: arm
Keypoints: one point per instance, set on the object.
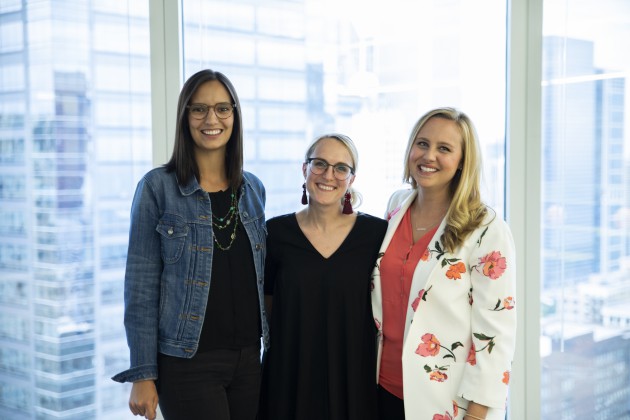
(492, 268)
(142, 287)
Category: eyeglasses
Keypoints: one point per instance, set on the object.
(222, 110)
(341, 171)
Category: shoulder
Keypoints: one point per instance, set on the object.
(397, 199)
(279, 227)
(158, 173)
(372, 222)
(493, 229)
(252, 180)
(281, 220)
(493, 220)
(159, 178)
(371, 227)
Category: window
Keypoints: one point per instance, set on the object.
(75, 136)
(585, 285)
(75, 133)
(306, 68)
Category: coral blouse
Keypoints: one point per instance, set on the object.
(397, 268)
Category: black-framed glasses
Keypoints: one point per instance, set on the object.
(341, 171)
(222, 110)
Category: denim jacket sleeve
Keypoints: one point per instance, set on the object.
(142, 286)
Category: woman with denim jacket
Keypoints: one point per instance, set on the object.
(194, 312)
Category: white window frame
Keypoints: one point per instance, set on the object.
(523, 187)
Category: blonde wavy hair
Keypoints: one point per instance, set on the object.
(466, 211)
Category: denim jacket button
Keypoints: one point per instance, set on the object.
(245, 214)
(258, 247)
(170, 231)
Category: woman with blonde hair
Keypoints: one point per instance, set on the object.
(444, 287)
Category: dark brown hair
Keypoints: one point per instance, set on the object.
(182, 160)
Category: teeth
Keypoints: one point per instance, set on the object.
(425, 169)
(325, 187)
(211, 132)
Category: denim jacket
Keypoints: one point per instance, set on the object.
(169, 263)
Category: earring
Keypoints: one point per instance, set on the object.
(347, 205)
(304, 197)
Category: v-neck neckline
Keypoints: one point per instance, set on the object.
(341, 245)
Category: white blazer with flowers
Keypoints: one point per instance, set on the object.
(460, 329)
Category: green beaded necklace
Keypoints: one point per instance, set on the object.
(230, 218)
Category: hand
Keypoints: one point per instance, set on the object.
(143, 399)
(476, 411)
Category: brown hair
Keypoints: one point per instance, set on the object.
(182, 160)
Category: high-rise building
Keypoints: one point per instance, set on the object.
(585, 285)
(75, 137)
(75, 131)
(584, 182)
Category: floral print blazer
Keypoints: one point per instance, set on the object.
(460, 329)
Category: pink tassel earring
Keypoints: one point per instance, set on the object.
(347, 205)
(304, 198)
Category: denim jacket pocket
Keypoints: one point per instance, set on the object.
(173, 232)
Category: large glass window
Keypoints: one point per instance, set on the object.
(585, 253)
(75, 132)
(305, 68)
(75, 135)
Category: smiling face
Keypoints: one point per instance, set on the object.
(436, 154)
(325, 189)
(211, 133)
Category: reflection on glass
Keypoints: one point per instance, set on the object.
(74, 112)
(304, 68)
(585, 326)
(75, 129)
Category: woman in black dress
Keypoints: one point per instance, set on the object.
(322, 360)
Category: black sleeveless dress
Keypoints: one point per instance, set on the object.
(322, 361)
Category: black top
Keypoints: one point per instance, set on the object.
(322, 360)
(232, 316)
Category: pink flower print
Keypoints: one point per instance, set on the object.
(506, 377)
(454, 271)
(455, 408)
(508, 303)
(426, 255)
(392, 213)
(430, 346)
(472, 355)
(377, 323)
(493, 265)
(438, 376)
(445, 416)
(416, 301)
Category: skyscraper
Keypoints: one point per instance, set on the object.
(582, 164)
(74, 133)
(585, 285)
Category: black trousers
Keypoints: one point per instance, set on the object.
(221, 384)
(390, 407)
